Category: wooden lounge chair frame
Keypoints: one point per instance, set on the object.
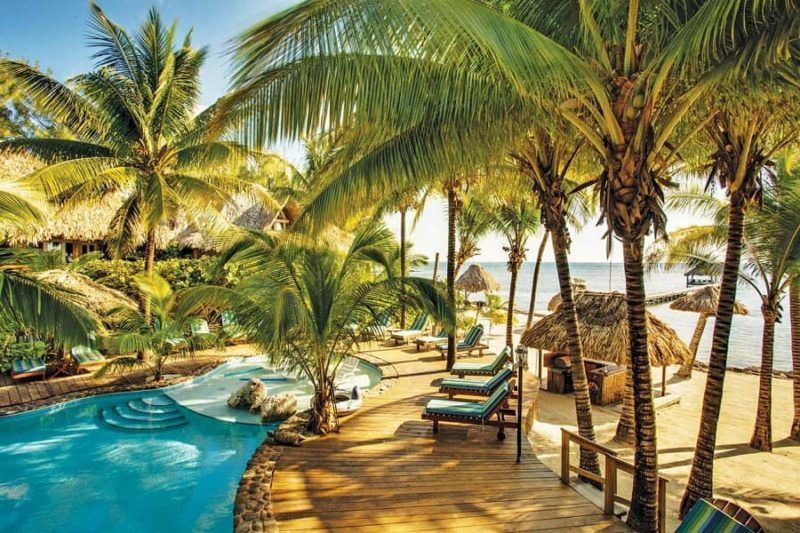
(433, 340)
(34, 372)
(466, 391)
(500, 411)
(477, 345)
(477, 372)
(411, 333)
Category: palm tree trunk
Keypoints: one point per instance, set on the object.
(512, 290)
(149, 259)
(403, 266)
(451, 256)
(627, 421)
(643, 514)
(794, 320)
(762, 433)
(435, 267)
(686, 370)
(701, 477)
(583, 406)
(535, 284)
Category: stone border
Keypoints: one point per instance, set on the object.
(252, 508)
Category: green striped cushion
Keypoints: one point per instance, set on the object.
(86, 354)
(482, 385)
(199, 327)
(23, 365)
(705, 518)
(229, 319)
(480, 367)
(419, 322)
(472, 336)
(468, 409)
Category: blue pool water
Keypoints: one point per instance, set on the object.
(149, 461)
(66, 470)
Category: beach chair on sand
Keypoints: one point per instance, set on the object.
(482, 369)
(476, 413)
(27, 367)
(718, 516)
(471, 342)
(426, 341)
(414, 330)
(87, 358)
(475, 387)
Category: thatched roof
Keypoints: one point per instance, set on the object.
(477, 279)
(603, 326)
(578, 285)
(704, 300)
(91, 294)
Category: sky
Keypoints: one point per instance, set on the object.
(52, 34)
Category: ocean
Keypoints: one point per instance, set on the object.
(745, 345)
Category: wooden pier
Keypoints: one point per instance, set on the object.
(667, 296)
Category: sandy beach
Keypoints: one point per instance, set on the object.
(764, 483)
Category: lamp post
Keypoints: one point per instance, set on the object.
(520, 361)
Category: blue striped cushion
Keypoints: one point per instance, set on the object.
(23, 365)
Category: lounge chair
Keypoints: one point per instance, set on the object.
(231, 326)
(199, 326)
(87, 358)
(474, 387)
(414, 330)
(478, 413)
(469, 344)
(378, 329)
(27, 367)
(482, 369)
(718, 516)
(426, 341)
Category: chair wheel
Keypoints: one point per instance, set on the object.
(501, 436)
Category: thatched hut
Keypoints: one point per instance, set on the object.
(477, 279)
(703, 301)
(603, 327)
(578, 285)
(701, 275)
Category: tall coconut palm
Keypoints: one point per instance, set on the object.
(545, 159)
(433, 77)
(474, 222)
(136, 133)
(515, 218)
(299, 300)
(794, 317)
(745, 134)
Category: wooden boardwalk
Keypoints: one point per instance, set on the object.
(387, 471)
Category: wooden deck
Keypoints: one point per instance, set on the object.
(387, 471)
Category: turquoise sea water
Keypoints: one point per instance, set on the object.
(745, 349)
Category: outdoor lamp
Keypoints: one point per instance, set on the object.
(521, 356)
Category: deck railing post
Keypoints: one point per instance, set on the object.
(610, 487)
(564, 456)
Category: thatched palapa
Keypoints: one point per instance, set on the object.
(477, 279)
(603, 326)
(704, 301)
(93, 295)
(578, 285)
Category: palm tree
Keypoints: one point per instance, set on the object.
(545, 159)
(25, 300)
(136, 132)
(161, 338)
(515, 217)
(794, 312)
(299, 301)
(466, 73)
(474, 221)
(452, 188)
(745, 134)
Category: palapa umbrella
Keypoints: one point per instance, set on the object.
(603, 328)
(703, 301)
(476, 279)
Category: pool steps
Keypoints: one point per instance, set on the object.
(152, 413)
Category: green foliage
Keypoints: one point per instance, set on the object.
(179, 273)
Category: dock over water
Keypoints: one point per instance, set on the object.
(668, 296)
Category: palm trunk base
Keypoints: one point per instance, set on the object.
(626, 434)
(685, 371)
(761, 439)
(795, 431)
(323, 418)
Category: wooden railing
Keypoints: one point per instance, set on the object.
(613, 464)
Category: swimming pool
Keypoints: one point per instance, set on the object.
(125, 462)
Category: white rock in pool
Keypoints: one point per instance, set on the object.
(278, 407)
(251, 395)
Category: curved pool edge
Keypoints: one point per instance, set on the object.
(59, 405)
(252, 506)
